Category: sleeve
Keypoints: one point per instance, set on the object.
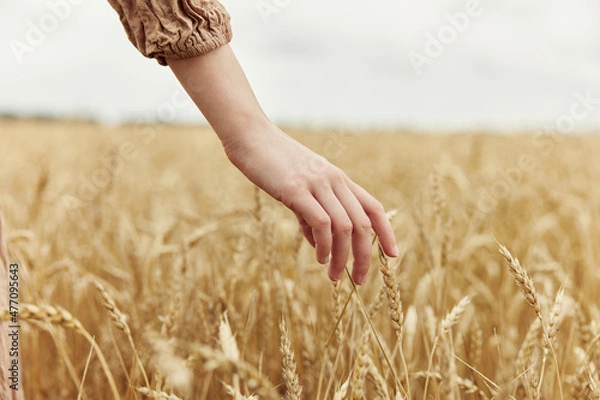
(174, 28)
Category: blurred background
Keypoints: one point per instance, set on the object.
(426, 65)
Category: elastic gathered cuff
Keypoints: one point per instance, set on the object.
(196, 49)
(177, 29)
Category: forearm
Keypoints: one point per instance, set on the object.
(335, 214)
(218, 86)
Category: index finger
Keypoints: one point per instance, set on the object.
(311, 211)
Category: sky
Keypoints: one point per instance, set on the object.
(409, 64)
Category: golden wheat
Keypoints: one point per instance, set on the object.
(214, 295)
(294, 390)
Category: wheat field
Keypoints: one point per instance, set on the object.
(150, 268)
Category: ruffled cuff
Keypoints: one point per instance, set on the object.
(174, 28)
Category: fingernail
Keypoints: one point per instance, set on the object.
(334, 276)
(326, 259)
(360, 280)
(395, 250)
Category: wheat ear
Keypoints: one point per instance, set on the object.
(290, 376)
(156, 394)
(392, 290)
(217, 360)
(61, 317)
(522, 279)
(120, 321)
(361, 367)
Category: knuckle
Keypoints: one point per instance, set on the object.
(363, 258)
(362, 252)
(365, 226)
(289, 197)
(345, 228)
(322, 222)
(377, 207)
(334, 175)
(290, 194)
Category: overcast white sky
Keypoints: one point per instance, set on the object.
(328, 62)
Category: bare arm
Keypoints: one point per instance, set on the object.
(335, 214)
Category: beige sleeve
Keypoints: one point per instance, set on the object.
(174, 28)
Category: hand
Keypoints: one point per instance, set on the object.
(334, 213)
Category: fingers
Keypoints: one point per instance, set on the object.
(318, 225)
(376, 214)
(342, 231)
(361, 233)
(306, 230)
(340, 217)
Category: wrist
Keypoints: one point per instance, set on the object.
(245, 137)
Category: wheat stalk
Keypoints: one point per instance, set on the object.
(292, 382)
(525, 283)
(61, 317)
(342, 391)
(530, 340)
(454, 315)
(392, 290)
(235, 393)
(227, 340)
(336, 300)
(378, 380)
(156, 394)
(475, 344)
(555, 318)
(170, 322)
(466, 385)
(215, 360)
(120, 321)
(361, 367)
(522, 279)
